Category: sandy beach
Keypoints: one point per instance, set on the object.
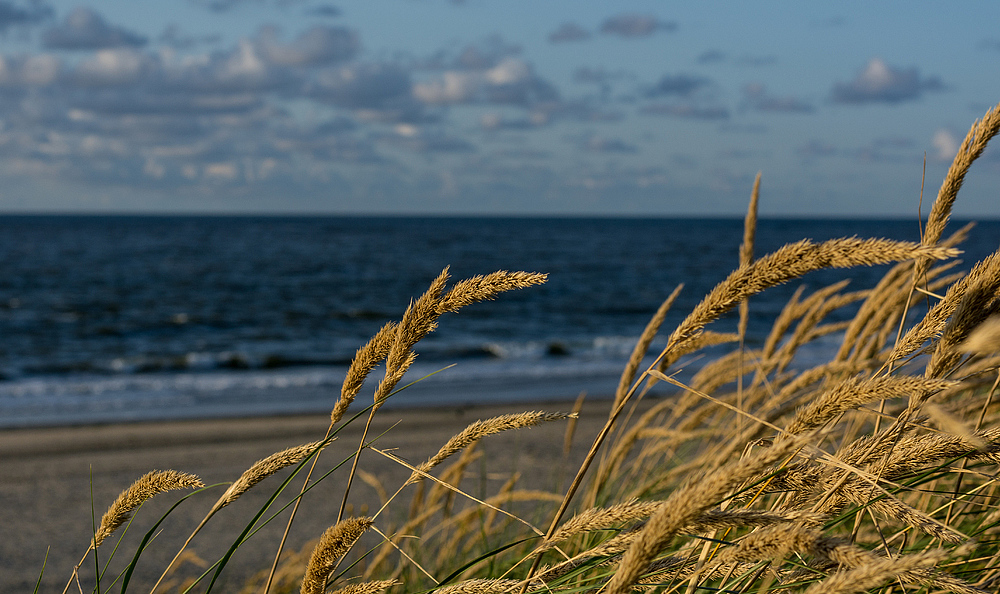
(45, 481)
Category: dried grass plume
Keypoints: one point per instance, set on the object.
(264, 468)
(150, 484)
(334, 544)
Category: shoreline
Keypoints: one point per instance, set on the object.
(45, 479)
(155, 398)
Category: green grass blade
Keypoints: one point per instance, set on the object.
(252, 528)
(121, 537)
(483, 557)
(42, 572)
(127, 574)
(246, 531)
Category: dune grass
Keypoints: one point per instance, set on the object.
(873, 471)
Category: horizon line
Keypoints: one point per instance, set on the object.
(331, 215)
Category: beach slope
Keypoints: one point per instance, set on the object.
(46, 477)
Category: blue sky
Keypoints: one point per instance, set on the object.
(476, 107)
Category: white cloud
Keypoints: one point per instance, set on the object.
(510, 71)
(882, 83)
(154, 169)
(29, 71)
(450, 87)
(244, 63)
(112, 66)
(363, 86)
(511, 81)
(485, 53)
(315, 46)
(42, 69)
(946, 144)
(223, 171)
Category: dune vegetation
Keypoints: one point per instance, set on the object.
(873, 471)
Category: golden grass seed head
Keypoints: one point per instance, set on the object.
(972, 147)
(686, 504)
(984, 339)
(264, 468)
(854, 392)
(373, 587)
(336, 541)
(876, 573)
(794, 260)
(602, 519)
(750, 224)
(480, 586)
(933, 324)
(150, 484)
(481, 288)
(642, 346)
(365, 360)
(772, 542)
(481, 429)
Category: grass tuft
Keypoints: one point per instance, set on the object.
(874, 469)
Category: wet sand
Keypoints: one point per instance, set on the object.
(45, 481)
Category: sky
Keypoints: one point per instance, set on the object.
(487, 107)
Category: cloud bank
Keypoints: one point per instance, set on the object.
(879, 82)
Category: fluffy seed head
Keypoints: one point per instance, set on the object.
(148, 485)
(265, 468)
(367, 587)
(481, 429)
(792, 261)
(480, 586)
(334, 544)
(481, 288)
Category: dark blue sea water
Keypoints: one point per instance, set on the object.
(125, 318)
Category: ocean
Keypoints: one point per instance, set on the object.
(127, 318)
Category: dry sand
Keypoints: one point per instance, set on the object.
(45, 481)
